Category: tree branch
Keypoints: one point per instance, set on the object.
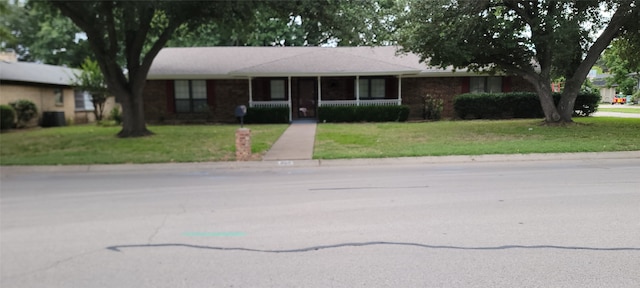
(623, 14)
(522, 12)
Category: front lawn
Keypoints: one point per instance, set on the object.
(373, 140)
(90, 144)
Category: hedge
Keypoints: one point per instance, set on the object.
(515, 105)
(267, 115)
(7, 117)
(363, 113)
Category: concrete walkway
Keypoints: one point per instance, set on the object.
(296, 143)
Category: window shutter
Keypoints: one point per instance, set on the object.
(171, 99)
(465, 85)
(506, 84)
(391, 87)
(211, 93)
(350, 87)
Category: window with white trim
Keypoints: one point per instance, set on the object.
(485, 84)
(83, 101)
(277, 89)
(372, 87)
(191, 96)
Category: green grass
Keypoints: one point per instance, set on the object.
(632, 110)
(90, 144)
(373, 140)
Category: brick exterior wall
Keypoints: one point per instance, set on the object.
(445, 88)
(227, 94)
(518, 84)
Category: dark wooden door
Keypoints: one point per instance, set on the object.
(307, 98)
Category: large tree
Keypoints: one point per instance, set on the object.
(136, 31)
(538, 40)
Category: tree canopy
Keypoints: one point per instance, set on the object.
(537, 40)
(38, 33)
(623, 60)
(302, 23)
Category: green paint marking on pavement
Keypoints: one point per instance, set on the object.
(214, 234)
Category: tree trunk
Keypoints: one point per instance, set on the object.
(568, 100)
(543, 88)
(133, 123)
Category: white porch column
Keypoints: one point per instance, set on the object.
(357, 90)
(319, 92)
(290, 106)
(250, 93)
(399, 89)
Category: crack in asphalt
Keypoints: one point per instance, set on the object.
(118, 248)
(157, 230)
(164, 221)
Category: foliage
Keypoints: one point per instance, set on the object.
(537, 40)
(516, 105)
(7, 117)
(350, 22)
(25, 111)
(623, 60)
(5, 33)
(635, 97)
(363, 113)
(42, 34)
(90, 79)
(302, 23)
(432, 109)
(262, 29)
(267, 115)
(115, 115)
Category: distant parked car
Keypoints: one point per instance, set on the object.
(619, 100)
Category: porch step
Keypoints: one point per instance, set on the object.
(296, 143)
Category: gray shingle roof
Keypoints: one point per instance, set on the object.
(229, 62)
(36, 73)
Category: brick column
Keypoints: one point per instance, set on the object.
(243, 144)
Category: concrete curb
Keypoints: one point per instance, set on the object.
(4, 170)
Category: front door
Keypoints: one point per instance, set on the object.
(307, 98)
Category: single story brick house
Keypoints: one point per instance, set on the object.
(205, 84)
(49, 87)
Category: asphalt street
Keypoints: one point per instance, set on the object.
(552, 223)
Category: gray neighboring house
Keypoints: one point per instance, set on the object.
(606, 92)
(204, 84)
(49, 87)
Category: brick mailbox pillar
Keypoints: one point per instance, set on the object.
(243, 144)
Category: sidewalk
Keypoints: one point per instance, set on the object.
(595, 157)
(617, 114)
(296, 143)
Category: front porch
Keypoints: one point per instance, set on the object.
(304, 95)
